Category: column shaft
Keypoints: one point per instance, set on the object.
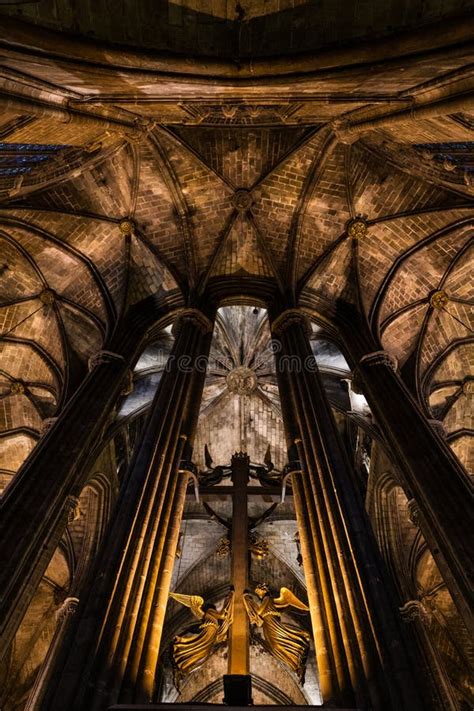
(35, 507)
(112, 651)
(438, 685)
(369, 666)
(239, 631)
(431, 472)
(332, 670)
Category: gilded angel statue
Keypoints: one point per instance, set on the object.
(286, 642)
(191, 649)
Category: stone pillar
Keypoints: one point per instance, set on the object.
(64, 615)
(239, 637)
(37, 504)
(418, 617)
(359, 646)
(111, 653)
(432, 474)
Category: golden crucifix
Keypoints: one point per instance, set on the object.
(288, 643)
(239, 632)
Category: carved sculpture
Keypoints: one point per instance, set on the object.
(286, 642)
(191, 649)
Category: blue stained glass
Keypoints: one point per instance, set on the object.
(23, 159)
(20, 158)
(446, 147)
(30, 147)
(13, 171)
(459, 154)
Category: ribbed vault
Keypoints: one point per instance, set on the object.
(68, 276)
(233, 29)
(341, 172)
(256, 183)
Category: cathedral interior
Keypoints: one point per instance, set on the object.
(236, 354)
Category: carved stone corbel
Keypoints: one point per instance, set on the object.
(72, 508)
(344, 132)
(102, 357)
(438, 427)
(67, 609)
(414, 513)
(129, 384)
(137, 133)
(380, 358)
(46, 424)
(414, 610)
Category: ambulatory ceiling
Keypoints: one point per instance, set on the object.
(125, 174)
(233, 28)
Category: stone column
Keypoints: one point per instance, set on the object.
(37, 504)
(111, 653)
(64, 615)
(239, 632)
(418, 617)
(432, 474)
(359, 646)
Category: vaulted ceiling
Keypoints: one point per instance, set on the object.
(233, 27)
(125, 174)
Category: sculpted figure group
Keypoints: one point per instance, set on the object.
(286, 642)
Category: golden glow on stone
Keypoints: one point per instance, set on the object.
(249, 8)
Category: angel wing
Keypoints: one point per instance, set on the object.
(228, 613)
(194, 602)
(252, 610)
(289, 599)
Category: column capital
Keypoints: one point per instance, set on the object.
(288, 318)
(72, 508)
(196, 318)
(438, 427)
(46, 424)
(344, 132)
(380, 358)
(102, 357)
(68, 608)
(414, 610)
(414, 513)
(128, 384)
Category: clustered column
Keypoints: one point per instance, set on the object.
(110, 654)
(433, 478)
(36, 506)
(438, 688)
(359, 648)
